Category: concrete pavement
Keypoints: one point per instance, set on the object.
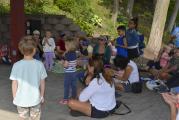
(145, 106)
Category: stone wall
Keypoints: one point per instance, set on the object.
(56, 24)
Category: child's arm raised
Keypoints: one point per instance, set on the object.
(14, 88)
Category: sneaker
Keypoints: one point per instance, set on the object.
(63, 101)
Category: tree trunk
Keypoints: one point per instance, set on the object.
(154, 2)
(173, 16)
(115, 11)
(130, 8)
(155, 39)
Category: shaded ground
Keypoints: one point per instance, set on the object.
(145, 106)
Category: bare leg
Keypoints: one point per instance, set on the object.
(171, 101)
(83, 107)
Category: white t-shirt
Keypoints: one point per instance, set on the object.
(177, 118)
(49, 48)
(90, 49)
(134, 76)
(28, 74)
(100, 94)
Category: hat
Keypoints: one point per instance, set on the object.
(36, 32)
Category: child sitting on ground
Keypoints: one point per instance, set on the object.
(28, 82)
(69, 63)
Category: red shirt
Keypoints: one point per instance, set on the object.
(61, 44)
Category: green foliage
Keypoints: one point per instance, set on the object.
(122, 20)
(65, 5)
(40, 6)
(81, 12)
(4, 8)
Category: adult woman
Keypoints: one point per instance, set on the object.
(97, 100)
(39, 51)
(102, 50)
(130, 75)
(60, 48)
(132, 38)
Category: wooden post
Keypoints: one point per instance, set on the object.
(155, 40)
(17, 26)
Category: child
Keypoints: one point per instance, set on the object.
(113, 49)
(69, 63)
(48, 48)
(28, 81)
(132, 39)
(121, 43)
(165, 57)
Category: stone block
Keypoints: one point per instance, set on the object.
(53, 20)
(59, 27)
(47, 27)
(4, 28)
(6, 20)
(6, 35)
(66, 21)
(81, 33)
(68, 33)
(74, 27)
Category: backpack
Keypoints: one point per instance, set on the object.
(141, 43)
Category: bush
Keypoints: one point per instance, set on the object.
(4, 8)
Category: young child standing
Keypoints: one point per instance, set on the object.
(28, 81)
(69, 63)
(121, 42)
(48, 48)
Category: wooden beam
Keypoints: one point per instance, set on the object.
(17, 26)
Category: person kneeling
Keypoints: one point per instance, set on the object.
(129, 81)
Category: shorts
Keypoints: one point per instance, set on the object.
(133, 53)
(27, 113)
(95, 113)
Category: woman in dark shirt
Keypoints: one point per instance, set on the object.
(103, 50)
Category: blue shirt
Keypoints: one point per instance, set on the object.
(132, 37)
(176, 34)
(121, 51)
(28, 74)
(71, 57)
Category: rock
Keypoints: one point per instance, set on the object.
(66, 21)
(68, 33)
(4, 28)
(59, 27)
(47, 27)
(53, 21)
(74, 27)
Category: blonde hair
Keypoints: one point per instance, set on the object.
(27, 45)
(71, 43)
